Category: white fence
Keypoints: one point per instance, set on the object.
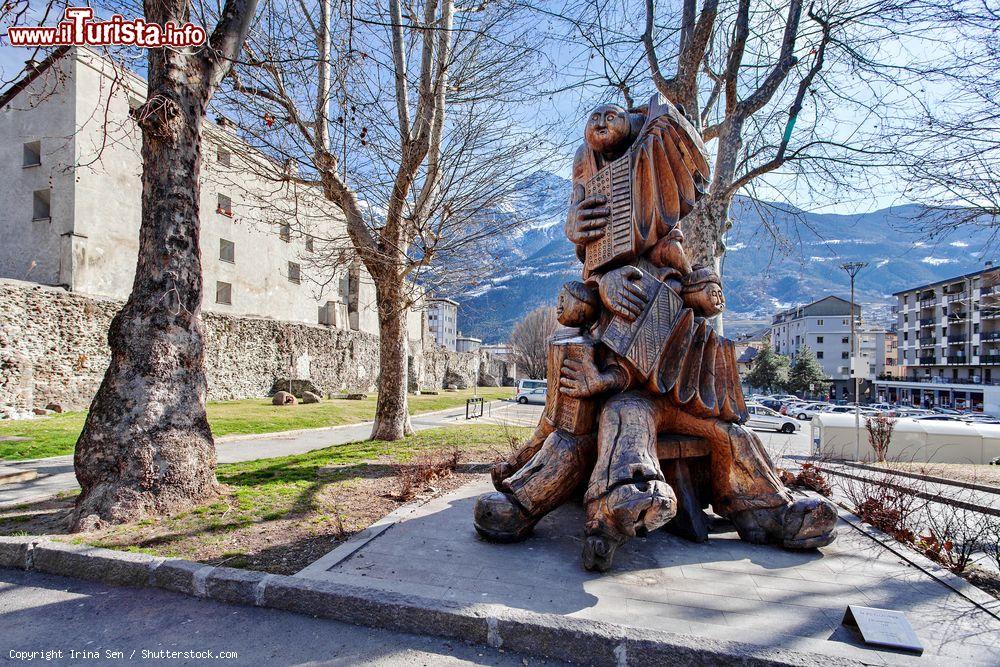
(834, 436)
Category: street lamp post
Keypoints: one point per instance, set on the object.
(852, 269)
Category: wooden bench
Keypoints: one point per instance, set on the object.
(685, 464)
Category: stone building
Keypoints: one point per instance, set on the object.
(70, 207)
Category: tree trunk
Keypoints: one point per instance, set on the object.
(146, 447)
(704, 229)
(392, 415)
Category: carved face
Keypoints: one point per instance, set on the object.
(707, 301)
(607, 129)
(572, 312)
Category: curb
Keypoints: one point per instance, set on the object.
(943, 500)
(546, 635)
(925, 478)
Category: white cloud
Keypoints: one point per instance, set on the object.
(881, 263)
(936, 261)
(814, 258)
(959, 244)
(736, 246)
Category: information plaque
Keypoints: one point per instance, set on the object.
(883, 627)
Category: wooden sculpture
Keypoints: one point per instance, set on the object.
(644, 410)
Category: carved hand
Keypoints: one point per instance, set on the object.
(587, 218)
(622, 293)
(580, 378)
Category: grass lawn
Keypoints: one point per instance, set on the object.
(56, 435)
(278, 515)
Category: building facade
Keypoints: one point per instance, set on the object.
(467, 343)
(825, 326)
(70, 209)
(442, 321)
(949, 343)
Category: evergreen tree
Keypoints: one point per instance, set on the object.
(769, 370)
(805, 370)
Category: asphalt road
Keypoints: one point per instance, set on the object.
(105, 625)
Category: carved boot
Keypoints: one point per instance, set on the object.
(499, 519)
(806, 523)
(628, 510)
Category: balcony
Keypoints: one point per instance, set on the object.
(927, 341)
(989, 335)
(990, 289)
(928, 361)
(960, 359)
(940, 380)
(961, 296)
(990, 359)
(955, 318)
(957, 340)
(927, 321)
(991, 313)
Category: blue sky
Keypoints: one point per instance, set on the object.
(878, 189)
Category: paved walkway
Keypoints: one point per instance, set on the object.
(55, 474)
(720, 589)
(41, 612)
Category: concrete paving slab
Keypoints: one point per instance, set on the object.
(722, 589)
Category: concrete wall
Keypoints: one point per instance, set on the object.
(53, 348)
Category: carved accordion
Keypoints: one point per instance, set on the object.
(614, 181)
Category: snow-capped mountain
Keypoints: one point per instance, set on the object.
(777, 256)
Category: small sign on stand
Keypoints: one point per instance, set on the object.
(883, 627)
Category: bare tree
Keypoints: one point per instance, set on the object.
(787, 94)
(529, 341)
(146, 447)
(951, 149)
(409, 119)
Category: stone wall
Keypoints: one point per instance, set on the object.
(53, 348)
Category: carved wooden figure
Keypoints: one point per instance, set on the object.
(644, 410)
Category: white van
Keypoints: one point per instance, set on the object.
(524, 385)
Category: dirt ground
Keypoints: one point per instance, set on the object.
(986, 475)
(280, 545)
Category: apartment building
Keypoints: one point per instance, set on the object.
(949, 343)
(825, 326)
(442, 321)
(70, 207)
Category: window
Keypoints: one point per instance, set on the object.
(819, 355)
(40, 205)
(227, 250)
(32, 154)
(223, 293)
(845, 340)
(225, 206)
(310, 245)
(844, 322)
(294, 273)
(819, 322)
(819, 340)
(224, 157)
(285, 232)
(843, 355)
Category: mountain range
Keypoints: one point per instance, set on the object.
(777, 256)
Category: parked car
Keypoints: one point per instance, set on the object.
(809, 410)
(765, 418)
(784, 397)
(770, 403)
(533, 395)
(939, 418)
